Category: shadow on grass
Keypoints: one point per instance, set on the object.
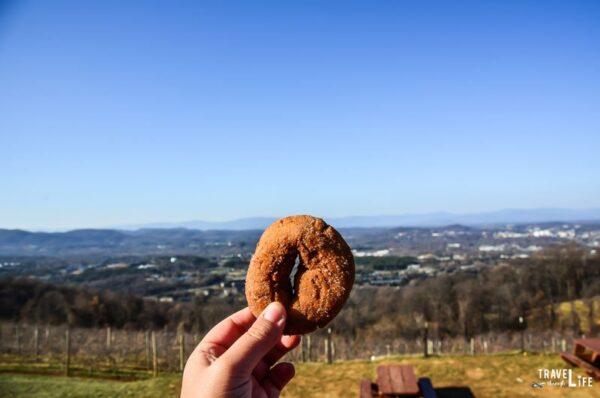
(427, 390)
(454, 392)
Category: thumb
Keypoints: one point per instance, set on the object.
(252, 346)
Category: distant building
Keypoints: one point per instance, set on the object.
(541, 233)
(491, 248)
(146, 266)
(374, 253)
(509, 235)
(427, 256)
(117, 266)
(413, 267)
(568, 234)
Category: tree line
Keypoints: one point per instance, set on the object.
(450, 305)
(493, 300)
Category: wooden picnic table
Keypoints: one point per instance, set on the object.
(397, 380)
(588, 349)
(586, 355)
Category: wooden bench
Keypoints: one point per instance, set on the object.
(368, 389)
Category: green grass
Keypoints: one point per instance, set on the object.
(33, 385)
(506, 375)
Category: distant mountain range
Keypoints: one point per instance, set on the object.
(111, 242)
(215, 239)
(507, 216)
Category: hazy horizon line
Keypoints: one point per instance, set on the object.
(363, 217)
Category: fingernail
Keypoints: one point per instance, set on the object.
(274, 312)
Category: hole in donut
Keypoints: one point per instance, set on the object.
(295, 269)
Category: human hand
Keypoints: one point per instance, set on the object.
(236, 357)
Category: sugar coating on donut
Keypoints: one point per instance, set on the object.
(323, 280)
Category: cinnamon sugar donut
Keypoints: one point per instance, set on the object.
(323, 279)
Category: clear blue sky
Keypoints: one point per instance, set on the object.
(117, 112)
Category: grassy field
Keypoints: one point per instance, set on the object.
(487, 376)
